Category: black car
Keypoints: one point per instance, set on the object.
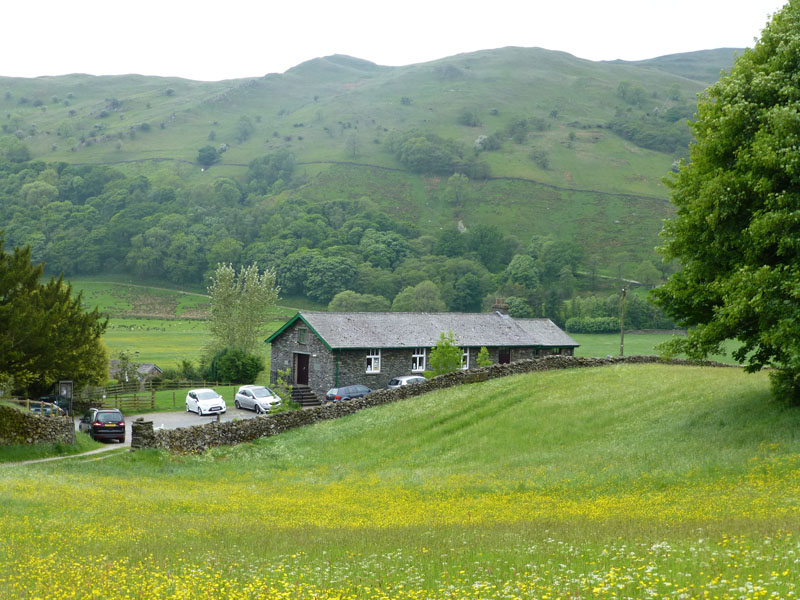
(103, 424)
(346, 393)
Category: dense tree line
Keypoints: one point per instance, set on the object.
(83, 220)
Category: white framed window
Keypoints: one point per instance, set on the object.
(301, 335)
(465, 359)
(374, 360)
(418, 360)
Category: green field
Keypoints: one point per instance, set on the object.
(643, 344)
(621, 482)
(155, 324)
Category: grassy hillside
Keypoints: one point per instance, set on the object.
(324, 103)
(703, 65)
(590, 167)
(627, 481)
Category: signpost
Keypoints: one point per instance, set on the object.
(65, 393)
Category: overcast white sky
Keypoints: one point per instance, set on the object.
(225, 39)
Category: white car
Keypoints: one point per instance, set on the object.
(205, 401)
(256, 397)
(405, 380)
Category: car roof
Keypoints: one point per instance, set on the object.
(202, 390)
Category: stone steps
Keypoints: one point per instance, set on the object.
(303, 395)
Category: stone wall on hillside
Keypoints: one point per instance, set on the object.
(199, 438)
(20, 427)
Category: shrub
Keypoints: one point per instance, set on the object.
(207, 156)
(445, 357)
(283, 387)
(483, 359)
(234, 365)
(469, 117)
(592, 325)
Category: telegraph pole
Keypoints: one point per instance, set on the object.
(622, 326)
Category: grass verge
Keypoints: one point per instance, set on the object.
(21, 452)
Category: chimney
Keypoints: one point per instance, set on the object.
(500, 306)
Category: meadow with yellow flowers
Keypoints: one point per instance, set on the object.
(628, 481)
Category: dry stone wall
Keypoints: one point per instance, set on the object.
(199, 438)
(20, 427)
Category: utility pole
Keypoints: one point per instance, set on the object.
(622, 325)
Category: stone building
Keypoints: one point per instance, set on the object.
(323, 350)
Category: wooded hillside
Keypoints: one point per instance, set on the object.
(346, 175)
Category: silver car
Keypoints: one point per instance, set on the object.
(256, 397)
(405, 380)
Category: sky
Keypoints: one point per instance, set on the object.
(228, 39)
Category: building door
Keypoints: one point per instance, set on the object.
(301, 369)
(504, 356)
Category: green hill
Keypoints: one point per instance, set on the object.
(320, 103)
(703, 66)
(566, 149)
(626, 481)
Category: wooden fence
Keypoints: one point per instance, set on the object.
(40, 407)
(93, 394)
(135, 402)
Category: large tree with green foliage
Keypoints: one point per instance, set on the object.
(45, 334)
(737, 228)
(240, 307)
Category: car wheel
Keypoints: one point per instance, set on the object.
(236, 404)
(259, 410)
(199, 412)
(187, 407)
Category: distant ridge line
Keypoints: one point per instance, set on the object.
(356, 164)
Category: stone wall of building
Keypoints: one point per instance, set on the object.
(321, 362)
(200, 438)
(336, 368)
(20, 427)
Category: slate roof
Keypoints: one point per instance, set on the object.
(142, 369)
(549, 332)
(411, 330)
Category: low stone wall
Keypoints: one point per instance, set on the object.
(201, 437)
(20, 427)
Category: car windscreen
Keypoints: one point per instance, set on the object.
(109, 417)
(262, 392)
(207, 395)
